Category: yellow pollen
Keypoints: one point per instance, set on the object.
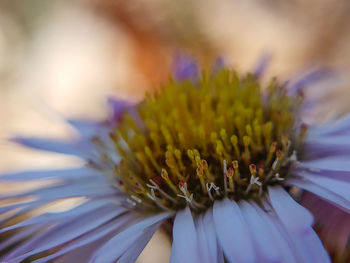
(173, 154)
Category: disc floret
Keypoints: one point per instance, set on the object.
(192, 143)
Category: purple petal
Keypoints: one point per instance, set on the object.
(330, 196)
(304, 171)
(296, 217)
(20, 235)
(338, 163)
(260, 232)
(84, 127)
(185, 68)
(78, 148)
(84, 189)
(281, 239)
(327, 148)
(306, 245)
(335, 127)
(184, 247)
(340, 187)
(71, 173)
(105, 232)
(262, 65)
(119, 244)
(65, 232)
(133, 253)
(206, 238)
(333, 223)
(218, 65)
(46, 218)
(309, 79)
(118, 107)
(233, 232)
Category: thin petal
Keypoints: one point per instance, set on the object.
(133, 253)
(260, 232)
(104, 232)
(71, 173)
(339, 126)
(65, 232)
(339, 163)
(325, 194)
(119, 244)
(184, 247)
(340, 187)
(84, 127)
(206, 238)
(262, 65)
(89, 206)
(306, 245)
(78, 148)
(232, 232)
(303, 171)
(290, 212)
(280, 238)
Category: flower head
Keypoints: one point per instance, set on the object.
(217, 152)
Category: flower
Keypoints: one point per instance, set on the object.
(213, 155)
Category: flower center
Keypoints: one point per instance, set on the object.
(192, 143)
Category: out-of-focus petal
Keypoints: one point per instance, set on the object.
(61, 174)
(64, 231)
(306, 245)
(337, 163)
(102, 234)
(331, 196)
(184, 247)
(206, 238)
(78, 148)
(263, 240)
(185, 68)
(290, 212)
(262, 65)
(233, 232)
(115, 247)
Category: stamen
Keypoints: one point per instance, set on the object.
(216, 189)
(185, 136)
(156, 187)
(164, 175)
(225, 176)
(153, 197)
(235, 167)
(230, 173)
(253, 179)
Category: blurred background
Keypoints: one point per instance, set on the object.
(63, 58)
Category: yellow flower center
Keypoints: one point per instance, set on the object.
(196, 142)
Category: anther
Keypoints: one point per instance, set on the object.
(234, 141)
(165, 176)
(246, 154)
(270, 154)
(199, 172)
(236, 168)
(230, 173)
(212, 186)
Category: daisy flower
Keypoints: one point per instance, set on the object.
(212, 155)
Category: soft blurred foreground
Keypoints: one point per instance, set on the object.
(64, 58)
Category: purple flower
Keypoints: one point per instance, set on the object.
(214, 162)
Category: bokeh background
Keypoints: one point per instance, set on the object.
(62, 58)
